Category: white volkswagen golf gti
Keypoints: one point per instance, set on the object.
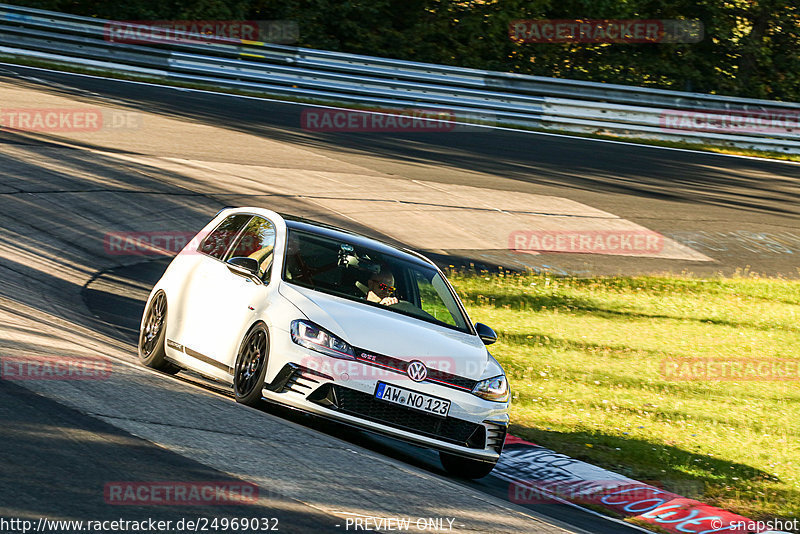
(330, 322)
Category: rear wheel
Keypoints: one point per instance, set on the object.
(461, 467)
(153, 334)
(251, 366)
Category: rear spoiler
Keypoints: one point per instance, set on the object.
(223, 209)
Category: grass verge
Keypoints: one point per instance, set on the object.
(585, 361)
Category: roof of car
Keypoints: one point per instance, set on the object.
(352, 238)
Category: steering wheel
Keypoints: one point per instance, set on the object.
(306, 273)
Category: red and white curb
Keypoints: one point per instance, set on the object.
(539, 475)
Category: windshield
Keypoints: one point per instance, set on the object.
(365, 275)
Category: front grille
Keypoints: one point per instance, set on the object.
(368, 407)
(401, 366)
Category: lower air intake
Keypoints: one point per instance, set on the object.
(368, 407)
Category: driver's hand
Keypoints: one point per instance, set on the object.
(388, 301)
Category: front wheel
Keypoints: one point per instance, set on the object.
(152, 334)
(251, 366)
(461, 467)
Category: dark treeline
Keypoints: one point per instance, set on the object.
(751, 47)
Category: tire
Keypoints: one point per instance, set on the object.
(251, 366)
(461, 467)
(152, 336)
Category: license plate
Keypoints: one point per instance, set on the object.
(412, 399)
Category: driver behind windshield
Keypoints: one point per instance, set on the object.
(380, 287)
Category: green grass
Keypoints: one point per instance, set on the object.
(584, 355)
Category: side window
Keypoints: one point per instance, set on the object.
(257, 241)
(218, 241)
(430, 301)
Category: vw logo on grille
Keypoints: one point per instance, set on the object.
(417, 371)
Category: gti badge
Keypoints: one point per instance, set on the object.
(417, 371)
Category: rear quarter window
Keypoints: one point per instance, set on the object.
(217, 243)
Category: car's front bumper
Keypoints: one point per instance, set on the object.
(344, 390)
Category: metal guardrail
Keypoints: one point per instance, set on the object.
(469, 95)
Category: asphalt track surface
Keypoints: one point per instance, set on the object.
(64, 295)
(706, 200)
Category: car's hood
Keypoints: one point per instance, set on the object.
(378, 330)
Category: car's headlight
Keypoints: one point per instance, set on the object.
(493, 389)
(311, 336)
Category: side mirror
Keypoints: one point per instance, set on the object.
(486, 334)
(243, 265)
